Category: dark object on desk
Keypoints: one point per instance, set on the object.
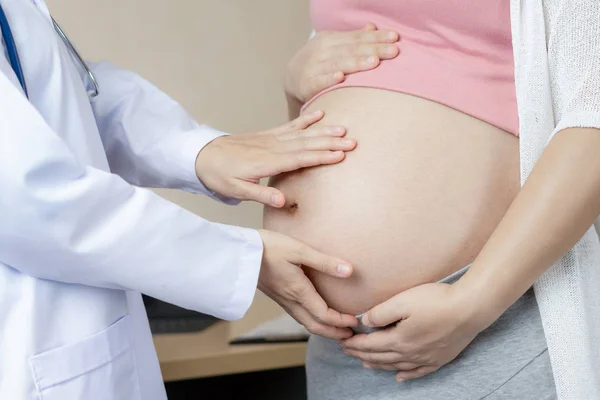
(267, 340)
(168, 318)
(281, 329)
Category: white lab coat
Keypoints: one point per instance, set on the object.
(78, 243)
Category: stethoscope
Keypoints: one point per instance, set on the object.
(15, 62)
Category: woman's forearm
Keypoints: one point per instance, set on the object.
(557, 205)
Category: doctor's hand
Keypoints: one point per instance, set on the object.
(282, 279)
(329, 56)
(426, 327)
(233, 166)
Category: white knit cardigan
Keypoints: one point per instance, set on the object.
(556, 46)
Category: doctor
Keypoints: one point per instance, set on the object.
(79, 238)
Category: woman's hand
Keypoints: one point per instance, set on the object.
(282, 279)
(430, 326)
(233, 166)
(329, 56)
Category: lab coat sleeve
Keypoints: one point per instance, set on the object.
(64, 221)
(150, 140)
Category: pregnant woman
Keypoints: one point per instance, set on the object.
(445, 242)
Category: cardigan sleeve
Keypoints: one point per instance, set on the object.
(573, 41)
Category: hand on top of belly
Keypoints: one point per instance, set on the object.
(328, 57)
(232, 166)
(428, 328)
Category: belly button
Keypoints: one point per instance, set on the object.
(293, 207)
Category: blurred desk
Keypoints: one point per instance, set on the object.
(208, 353)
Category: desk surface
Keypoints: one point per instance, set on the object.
(208, 353)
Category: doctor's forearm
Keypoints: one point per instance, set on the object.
(557, 205)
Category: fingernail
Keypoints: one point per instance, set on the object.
(338, 76)
(389, 50)
(399, 380)
(392, 35)
(367, 366)
(370, 60)
(335, 155)
(344, 270)
(348, 142)
(275, 199)
(317, 113)
(338, 129)
(365, 320)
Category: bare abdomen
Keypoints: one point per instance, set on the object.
(413, 203)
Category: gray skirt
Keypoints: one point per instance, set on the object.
(507, 361)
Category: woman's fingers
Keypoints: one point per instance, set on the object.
(298, 124)
(349, 64)
(387, 357)
(362, 51)
(326, 80)
(416, 373)
(370, 27)
(365, 36)
(385, 367)
(405, 369)
(379, 341)
(349, 59)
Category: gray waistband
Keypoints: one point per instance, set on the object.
(450, 279)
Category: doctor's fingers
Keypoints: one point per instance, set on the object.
(287, 162)
(306, 256)
(317, 131)
(311, 301)
(250, 191)
(317, 143)
(316, 327)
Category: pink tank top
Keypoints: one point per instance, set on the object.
(454, 52)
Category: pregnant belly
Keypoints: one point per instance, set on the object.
(414, 202)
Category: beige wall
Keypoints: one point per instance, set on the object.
(222, 59)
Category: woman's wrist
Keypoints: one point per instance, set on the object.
(481, 302)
